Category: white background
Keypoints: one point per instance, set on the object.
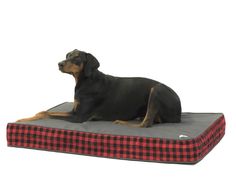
(188, 45)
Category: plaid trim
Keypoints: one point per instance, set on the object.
(116, 146)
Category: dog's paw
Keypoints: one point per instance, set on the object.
(42, 114)
(120, 122)
(21, 120)
(129, 124)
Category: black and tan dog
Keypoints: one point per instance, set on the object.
(104, 97)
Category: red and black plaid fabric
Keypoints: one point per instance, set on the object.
(116, 146)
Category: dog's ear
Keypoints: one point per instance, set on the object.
(91, 65)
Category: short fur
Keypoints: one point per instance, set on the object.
(104, 97)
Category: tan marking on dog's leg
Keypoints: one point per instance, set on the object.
(44, 115)
(59, 114)
(40, 115)
(150, 114)
(76, 105)
(152, 109)
(120, 122)
(127, 123)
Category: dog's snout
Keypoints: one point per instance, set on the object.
(60, 64)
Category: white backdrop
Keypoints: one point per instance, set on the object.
(188, 45)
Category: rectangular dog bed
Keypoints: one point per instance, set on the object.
(185, 142)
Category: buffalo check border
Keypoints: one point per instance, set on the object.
(116, 146)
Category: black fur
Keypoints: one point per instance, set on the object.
(105, 97)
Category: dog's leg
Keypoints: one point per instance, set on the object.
(46, 114)
(40, 115)
(126, 123)
(59, 115)
(153, 107)
(163, 106)
(152, 110)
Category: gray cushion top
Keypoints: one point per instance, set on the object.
(191, 126)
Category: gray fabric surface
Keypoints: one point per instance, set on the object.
(192, 125)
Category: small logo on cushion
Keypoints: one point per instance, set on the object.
(183, 136)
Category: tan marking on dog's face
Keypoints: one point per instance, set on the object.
(72, 65)
(70, 68)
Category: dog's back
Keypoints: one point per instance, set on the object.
(125, 98)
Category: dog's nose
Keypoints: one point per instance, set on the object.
(60, 64)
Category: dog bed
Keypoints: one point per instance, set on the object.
(185, 142)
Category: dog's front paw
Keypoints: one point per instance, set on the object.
(21, 120)
(40, 115)
(120, 122)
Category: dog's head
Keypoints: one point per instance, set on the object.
(78, 62)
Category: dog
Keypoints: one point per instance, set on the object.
(104, 97)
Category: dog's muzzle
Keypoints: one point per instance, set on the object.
(61, 65)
